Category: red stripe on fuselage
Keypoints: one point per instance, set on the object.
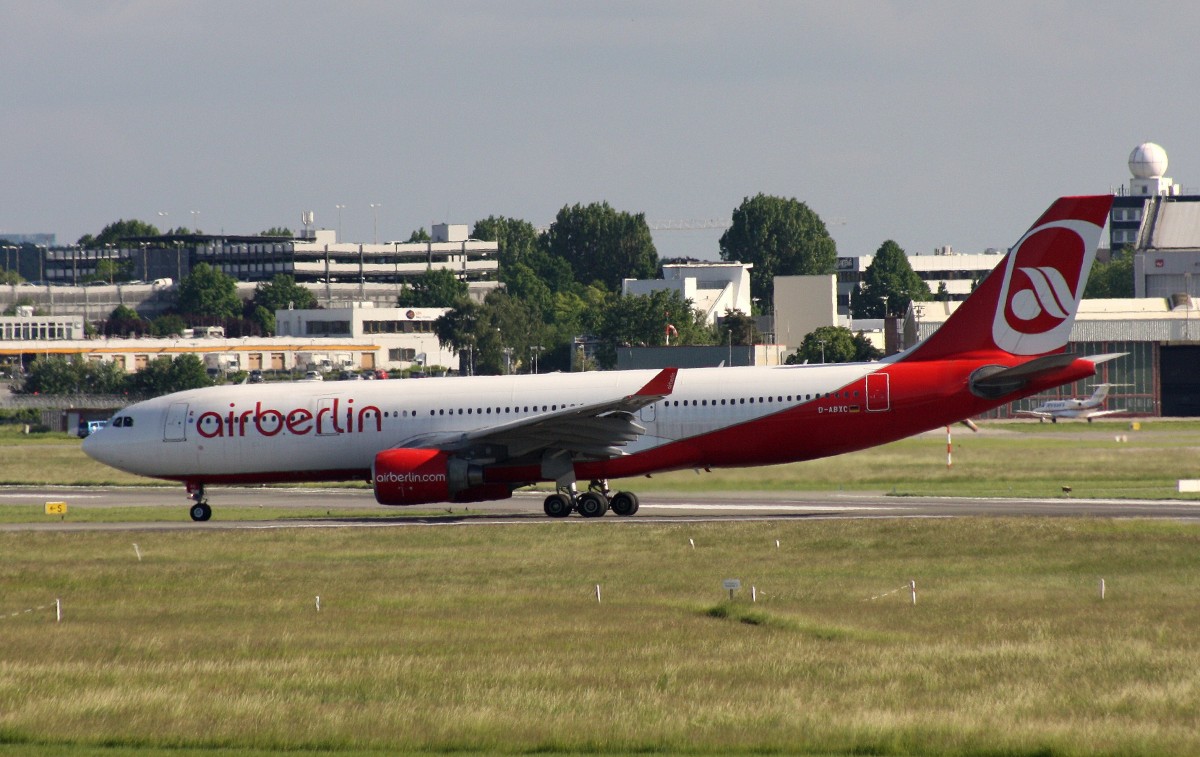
(924, 396)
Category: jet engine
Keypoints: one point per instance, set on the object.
(420, 476)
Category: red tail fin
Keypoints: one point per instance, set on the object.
(1027, 305)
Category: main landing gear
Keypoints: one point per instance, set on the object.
(200, 511)
(593, 503)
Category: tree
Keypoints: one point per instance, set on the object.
(436, 288)
(602, 244)
(164, 375)
(493, 338)
(125, 321)
(457, 329)
(57, 374)
(117, 231)
(516, 239)
(168, 325)
(943, 294)
(420, 235)
(834, 344)
(112, 271)
(646, 321)
(277, 231)
(781, 237)
(207, 291)
(737, 328)
(280, 293)
(889, 284)
(1113, 279)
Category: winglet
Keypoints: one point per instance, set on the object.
(659, 386)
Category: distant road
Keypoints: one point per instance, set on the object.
(527, 508)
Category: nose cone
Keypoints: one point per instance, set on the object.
(116, 449)
(94, 446)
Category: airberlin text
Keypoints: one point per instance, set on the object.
(329, 419)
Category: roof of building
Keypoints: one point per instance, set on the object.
(1176, 226)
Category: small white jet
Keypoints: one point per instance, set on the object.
(1074, 408)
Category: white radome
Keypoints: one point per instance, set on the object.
(1148, 161)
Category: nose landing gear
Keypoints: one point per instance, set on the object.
(200, 511)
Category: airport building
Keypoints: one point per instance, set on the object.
(358, 337)
(64, 280)
(945, 270)
(713, 288)
(1160, 221)
(315, 257)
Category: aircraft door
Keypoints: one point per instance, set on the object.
(878, 392)
(175, 427)
(648, 413)
(327, 421)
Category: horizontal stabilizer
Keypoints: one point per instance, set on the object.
(993, 381)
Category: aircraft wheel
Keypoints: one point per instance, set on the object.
(201, 511)
(625, 503)
(592, 504)
(558, 506)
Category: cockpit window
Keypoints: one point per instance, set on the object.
(123, 421)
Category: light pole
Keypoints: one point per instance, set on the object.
(195, 221)
(375, 212)
(822, 343)
(339, 230)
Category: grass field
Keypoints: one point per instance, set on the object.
(490, 639)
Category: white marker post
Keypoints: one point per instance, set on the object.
(57, 610)
(597, 593)
(912, 585)
(137, 552)
(693, 543)
(1101, 588)
(318, 603)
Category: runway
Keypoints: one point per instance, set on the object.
(359, 509)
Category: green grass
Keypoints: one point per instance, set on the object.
(490, 639)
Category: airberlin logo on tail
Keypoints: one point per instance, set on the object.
(1050, 295)
(1042, 285)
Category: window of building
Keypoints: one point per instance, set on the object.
(326, 328)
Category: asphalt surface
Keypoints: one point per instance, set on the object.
(527, 508)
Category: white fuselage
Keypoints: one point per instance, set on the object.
(319, 430)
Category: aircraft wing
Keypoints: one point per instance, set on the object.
(597, 430)
(1035, 413)
(1098, 413)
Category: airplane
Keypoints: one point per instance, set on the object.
(1074, 408)
(471, 439)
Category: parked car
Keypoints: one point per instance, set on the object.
(350, 376)
(313, 376)
(89, 427)
(256, 377)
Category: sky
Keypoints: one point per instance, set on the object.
(927, 123)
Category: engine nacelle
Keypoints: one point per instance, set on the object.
(421, 476)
